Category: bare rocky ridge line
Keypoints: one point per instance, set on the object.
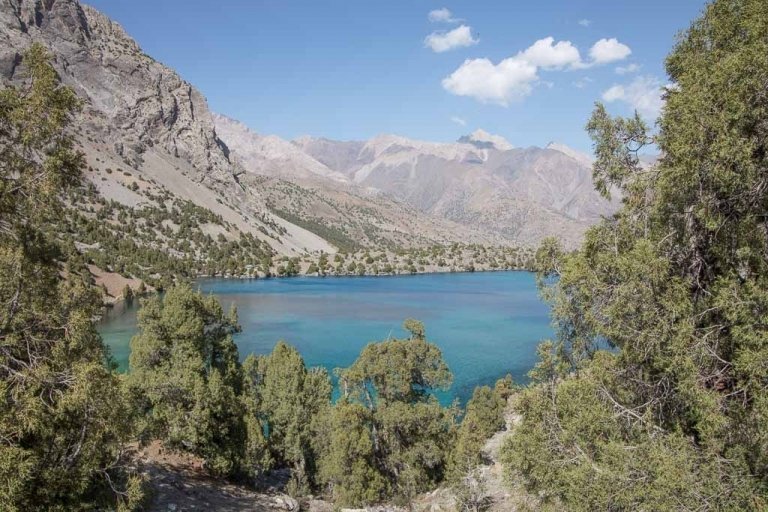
(296, 185)
(514, 195)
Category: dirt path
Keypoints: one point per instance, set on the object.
(180, 484)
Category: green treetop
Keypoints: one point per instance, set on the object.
(397, 370)
(62, 416)
(677, 284)
(397, 436)
(185, 375)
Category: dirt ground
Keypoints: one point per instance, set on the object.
(180, 483)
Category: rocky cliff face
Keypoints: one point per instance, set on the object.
(140, 117)
(131, 100)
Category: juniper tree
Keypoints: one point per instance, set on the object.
(186, 378)
(286, 396)
(677, 284)
(399, 435)
(63, 420)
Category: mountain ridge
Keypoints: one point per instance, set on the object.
(520, 194)
(142, 118)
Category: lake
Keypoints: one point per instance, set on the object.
(487, 323)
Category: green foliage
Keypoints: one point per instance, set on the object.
(484, 417)
(63, 418)
(348, 462)
(677, 284)
(397, 370)
(286, 398)
(616, 158)
(397, 437)
(577, 451)
(185, 375)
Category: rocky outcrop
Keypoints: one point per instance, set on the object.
(131, 101)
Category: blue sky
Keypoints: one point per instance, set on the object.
(348, 69)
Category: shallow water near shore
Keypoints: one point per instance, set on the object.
(487, 324)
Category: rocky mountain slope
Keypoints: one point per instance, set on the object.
(482, 182)
(300, 188)
(143, 121)
(141, 117)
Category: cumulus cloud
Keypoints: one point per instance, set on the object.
(584, 22)
(625, 70)
(643, 94)
(608, 50)
(459, 121)
(456, 38)
(514, 78)
(442, 16)
(547, 54)
(487, 82)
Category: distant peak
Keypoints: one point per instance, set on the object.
(580, 157)
(484, 140)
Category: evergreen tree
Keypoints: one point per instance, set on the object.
(399, 435)
(677, 284)
(286, 397)
(348, 460)
(63, 420)
(187, 380)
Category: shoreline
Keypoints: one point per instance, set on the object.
(111, 305)
(379, 274)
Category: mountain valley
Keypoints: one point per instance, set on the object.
(147, 134)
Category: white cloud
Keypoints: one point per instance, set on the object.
(584, 22)
(513, 78)
(625, 70)
(547, 54)
(487, 82)
(643, 94)
(608, 50)
(456, 38)
(459, 121)
(442, 16)
(582, 82)
(615, 93)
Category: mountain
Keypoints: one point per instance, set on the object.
(580, 157)
(152, 144)
(521, 195)
(141, 118)
(300, 185)
(147, 133)
(272, 156)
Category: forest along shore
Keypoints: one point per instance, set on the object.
(455, 258)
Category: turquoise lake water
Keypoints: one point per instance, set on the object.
(487, 323)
